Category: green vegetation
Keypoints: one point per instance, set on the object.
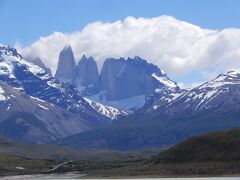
(212, 147)
(17, 165)
(18, 158)
(35, 151)
(212, 154)
(144, 169)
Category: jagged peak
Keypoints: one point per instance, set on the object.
(67, 51)
(233, 73)
(9, 50)
(91, 58)
(231, 77)
(136, 58)
(85, 58)
(67, 46)
(2, 45)
(6, 46)
(138, 61)
(114, 59)
(227, 75)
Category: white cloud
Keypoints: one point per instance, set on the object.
(177, 47)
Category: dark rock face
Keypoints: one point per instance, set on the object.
(66, 65)
(110, 70)
(87, 76)
(122, 78)
(84, 75)
(119, 79)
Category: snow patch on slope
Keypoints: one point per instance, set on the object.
(2, 97)
(167, 99)
(204, 94)
(127, 105)
(36, 99)
(43, 107)
(164, 80)
(9, 61)
(108, 111)
(231, 77)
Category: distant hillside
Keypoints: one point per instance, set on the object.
(213, 154)
(41, 151)
(219, 146)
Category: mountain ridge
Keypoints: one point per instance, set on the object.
(29, 119)
(171, 119)
(165, 114)
(141, 80)
(29, 82)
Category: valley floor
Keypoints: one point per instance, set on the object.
(73, 176)
(114, 169)
(150, 170)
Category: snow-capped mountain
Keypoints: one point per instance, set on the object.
(221, 92)
(127, 84)
(105, 110)
(212, 106)
(36, 107)
(29, 119)
(34, 81)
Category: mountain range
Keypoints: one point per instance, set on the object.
(212, 106)
(130, 104)
(126, 84)
(36, 107)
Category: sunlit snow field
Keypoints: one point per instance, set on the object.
(73, 176)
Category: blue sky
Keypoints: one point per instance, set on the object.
(27, 20)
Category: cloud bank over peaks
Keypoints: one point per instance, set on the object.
(175, 46)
